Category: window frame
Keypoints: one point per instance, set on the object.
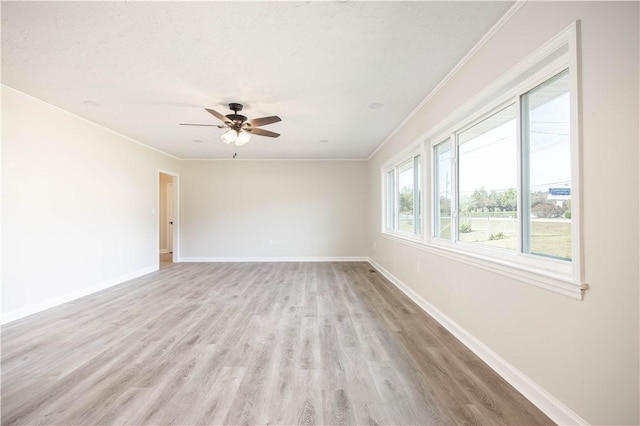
(499, 106)
(390, 208)
(435, 201)
(562, 276)
(550, 265)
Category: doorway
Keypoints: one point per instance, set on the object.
(167, 217)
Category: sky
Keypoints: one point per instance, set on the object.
(488, 150)
(490, 159)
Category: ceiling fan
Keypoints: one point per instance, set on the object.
(239, 126)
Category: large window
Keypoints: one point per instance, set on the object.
(403, 204)
(502, 184)
(491, 153)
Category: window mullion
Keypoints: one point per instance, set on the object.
(454, 188)
(416, 194)
(396, 199)
(392, 201)
(524, 184)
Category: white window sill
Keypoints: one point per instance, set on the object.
(403, 236)
(539, 277)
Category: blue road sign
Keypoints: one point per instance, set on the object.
(560, 191)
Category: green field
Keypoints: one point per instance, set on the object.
(406, 225)
(549, 237)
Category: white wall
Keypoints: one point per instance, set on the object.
(585, 353)
(232, 209)
(79, 206)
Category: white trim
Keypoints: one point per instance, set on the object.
(130, 139)
(176, 219)
(530, 275)
(403, 156)
(577, 228)
(547, 403)
(274, 159)
(10, 316)
(479, 45)
(277, 259)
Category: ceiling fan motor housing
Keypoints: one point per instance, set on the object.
(235, 107)
(236, 117)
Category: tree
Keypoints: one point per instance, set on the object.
(494, 200)
(538, 197)
(509, 200)
(406, 200)
(445, 206)
(543, 208)
(546, 209)
(480, 199)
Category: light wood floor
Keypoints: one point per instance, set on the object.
(248, 343)
(166, 259)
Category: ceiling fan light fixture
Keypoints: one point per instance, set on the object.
(229, 136)
(240, 129)
(242, 138)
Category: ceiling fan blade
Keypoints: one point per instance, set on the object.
(257, 122)
(217, 115)
(206, 125)
(262, 132)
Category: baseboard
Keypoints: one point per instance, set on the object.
(547, 403)
(16, 314)
(276, 259)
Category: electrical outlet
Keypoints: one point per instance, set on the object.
(270, 242)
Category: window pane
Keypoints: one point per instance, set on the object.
(547, 173)
(405, 197)
(487, 180)
(442, 196)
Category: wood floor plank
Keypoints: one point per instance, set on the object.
(248, 343)
(395, 399)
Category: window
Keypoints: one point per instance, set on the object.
(491, 153)
(487, 181)
(403, 203)
(442, 193)
(546, 165)
(502, 188)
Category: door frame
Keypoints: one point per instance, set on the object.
(171, 210)
(176, 215)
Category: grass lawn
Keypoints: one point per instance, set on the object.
(549, 237)
(406, 225)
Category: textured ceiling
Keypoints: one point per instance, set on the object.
(141, 68)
